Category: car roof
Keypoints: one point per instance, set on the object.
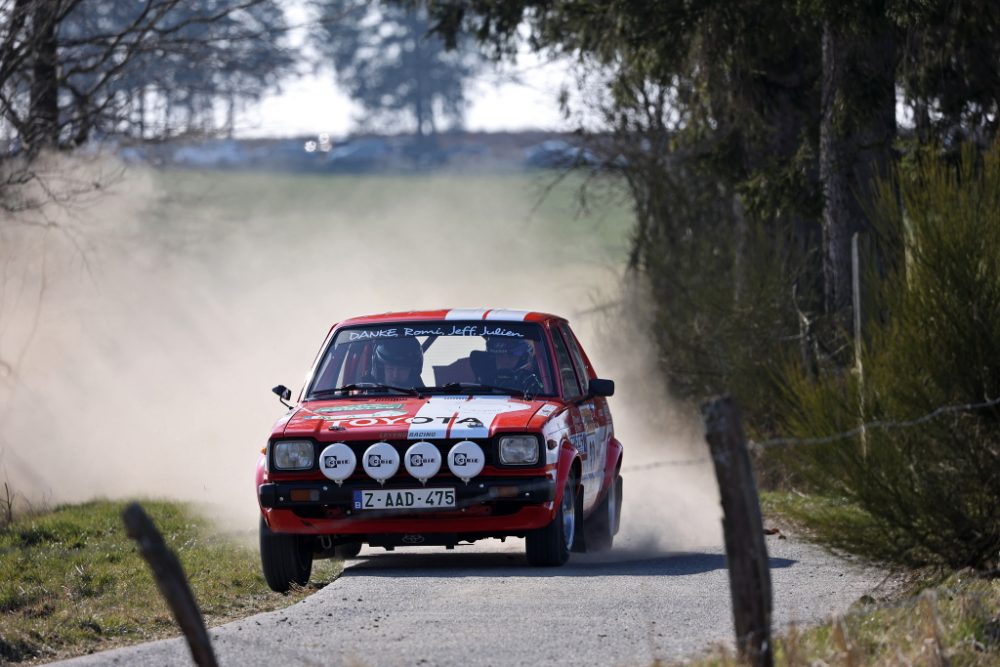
(488, 314)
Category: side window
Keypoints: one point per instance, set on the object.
(574, 353)
(571, 387)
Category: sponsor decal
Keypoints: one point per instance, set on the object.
(358, 407)
(366, 420)
(377, 461)
(421, 460)
(462, 459)
(333, 461)
(367, 415)
(447, 330)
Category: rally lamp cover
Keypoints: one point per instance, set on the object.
(422, 461)
(381, 461)
(337, 462)
(466, 460)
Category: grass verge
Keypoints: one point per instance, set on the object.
(833, 522)
(71, 582)
(939, 618)
(955, 621)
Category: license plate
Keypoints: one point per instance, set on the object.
(385, 499)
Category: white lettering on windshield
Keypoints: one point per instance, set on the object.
(468, 330)
(372, 333)
(423, 332)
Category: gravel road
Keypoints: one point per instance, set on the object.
(481, 605)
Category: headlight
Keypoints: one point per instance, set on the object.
(518, 449)
(293, 455)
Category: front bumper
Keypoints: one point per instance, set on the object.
(494, 506)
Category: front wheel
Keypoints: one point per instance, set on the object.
(550, 546)
(285, 559)
(603, 524)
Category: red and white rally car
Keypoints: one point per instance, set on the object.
(440, 427)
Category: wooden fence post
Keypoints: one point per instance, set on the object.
(746, 552)
(171, 581)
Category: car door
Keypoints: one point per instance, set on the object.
(585, 432)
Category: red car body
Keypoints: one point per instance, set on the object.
(307, 514)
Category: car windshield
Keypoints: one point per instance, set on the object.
(436, 356)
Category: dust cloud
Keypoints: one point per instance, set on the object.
(140, 332)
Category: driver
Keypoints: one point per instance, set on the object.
(515, 364)
(398, 361)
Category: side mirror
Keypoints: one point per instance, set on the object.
(598, 387)
(284, 394)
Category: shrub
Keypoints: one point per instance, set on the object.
(934, 487)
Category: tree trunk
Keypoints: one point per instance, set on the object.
(858, 125)
(43, 118)
(141, 124)
(231, 115)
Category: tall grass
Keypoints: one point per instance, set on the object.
(932, 490)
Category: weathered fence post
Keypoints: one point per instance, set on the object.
(746, 552)
(171, 581)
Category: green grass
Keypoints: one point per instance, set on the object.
(71, 581)
(955, 621)
(834, 522)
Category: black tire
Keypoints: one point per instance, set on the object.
(347, 551)
(620, 490)
(285, 559)
(603, 524)
(550, 546)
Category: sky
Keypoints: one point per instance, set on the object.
(522, 96)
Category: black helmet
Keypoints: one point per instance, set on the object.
(400, 352)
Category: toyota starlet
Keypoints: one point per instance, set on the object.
(440, 428)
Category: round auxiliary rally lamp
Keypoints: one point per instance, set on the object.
(466, 460)
(337, 462)
(422, 461)
(381, 461)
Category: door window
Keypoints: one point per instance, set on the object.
(571, 386)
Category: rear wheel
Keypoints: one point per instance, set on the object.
(603, 524)
(285, 559)
(550, 546)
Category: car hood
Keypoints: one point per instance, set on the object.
(424, 418)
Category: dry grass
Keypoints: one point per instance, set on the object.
(955, 622)
(71, 582)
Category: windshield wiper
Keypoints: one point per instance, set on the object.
(363, 386)
(473, 387)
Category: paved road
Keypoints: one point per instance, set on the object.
(482, 605)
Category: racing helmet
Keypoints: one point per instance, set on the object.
(404, 352)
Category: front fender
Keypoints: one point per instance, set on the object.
(569, 463)
(260, 476)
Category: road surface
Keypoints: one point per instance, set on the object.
(482, 605)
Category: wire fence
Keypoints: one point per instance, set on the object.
(878, 424)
